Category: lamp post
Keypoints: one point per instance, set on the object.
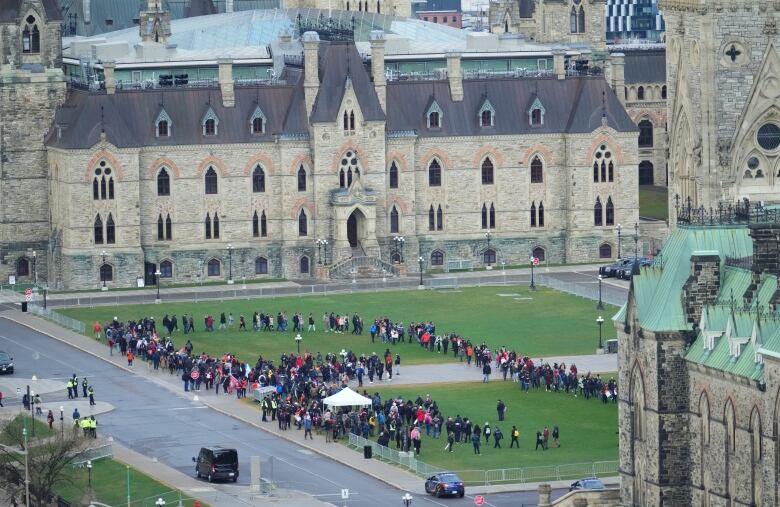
(619, 229)
(407, 499)
(318, 242)
(636, 239)
(488, 235)
(62, 421)
(35, 271)
(89, 472)
(600, 322)
(157, 277)
(600, 306)
(398, 241)
(103, 254)
(230, 263)
(159, 502)
(533, 263)
(298, 339)
(323, 243)
(420, 261)
(26, 469)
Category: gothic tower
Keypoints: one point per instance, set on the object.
(155, 23)
(723, 74)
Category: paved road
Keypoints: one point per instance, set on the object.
(161, 424)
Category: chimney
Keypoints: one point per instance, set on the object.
(559, 63)
(618, 63)
(377, 38)
(454, 75)
(702, 286)
(226, 82)
(229, 6)
(311, 73)
(108, 77)
(87, 7)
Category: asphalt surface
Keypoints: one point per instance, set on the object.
(162, 424)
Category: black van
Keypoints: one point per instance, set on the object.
(216, 463)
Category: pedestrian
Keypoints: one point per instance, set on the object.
(50, 419)
(91, 393)
(98, 329)
(539, 441)
(545, 437)
(307, 425)
(555, 435)
(37, 404)
(475, 440)
(76, 415)
(1, 398)
(69, 386)
(312, 327)
(398, 364)
(450, 441)
(130, 358)
(486, 432)
(501, 409)
(515, 437)
(84, 385)
(416, 439)
(497, 436)
(486, 370)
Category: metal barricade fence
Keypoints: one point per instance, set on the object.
(62, 320)
(92, 454)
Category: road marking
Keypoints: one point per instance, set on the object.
(188, 408)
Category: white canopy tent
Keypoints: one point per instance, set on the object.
(346, 398)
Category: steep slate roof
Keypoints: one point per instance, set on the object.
(645, 66)
(9, 10)
(571, 105)
(128, 116)
(337, 60)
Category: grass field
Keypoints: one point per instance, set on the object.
(588, 428)
(653, 202)
(538, 323)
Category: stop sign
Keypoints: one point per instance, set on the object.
(479, 500)
(536, 263)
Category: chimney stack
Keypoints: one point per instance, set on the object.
(454, 76)
(311, 73)
(226, 82)
(559, 63)
(377, 38)
(108, 77)
(618, 63)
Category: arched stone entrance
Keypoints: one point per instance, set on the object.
(356, 228)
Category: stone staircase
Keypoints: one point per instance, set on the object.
(362, 266)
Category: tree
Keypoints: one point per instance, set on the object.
(48, 459)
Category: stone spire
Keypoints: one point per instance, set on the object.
(154, 23)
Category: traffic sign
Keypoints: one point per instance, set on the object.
(479, 500)
(194, 374)
(345, 494)
(535, 261)
(28, 294)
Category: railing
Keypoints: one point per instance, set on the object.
(498, 74)
(293, 136)
(349, 267)
(93, 454)
(395, 134)
(744, 212)
(62, 320)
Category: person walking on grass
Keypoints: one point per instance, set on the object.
(476, 438)
(501, 410)
(555, 435)
(539, 441)
(450, 441)
(497, 436)
(311, 323)
(515, 437)
(545, 437)
(416, 439)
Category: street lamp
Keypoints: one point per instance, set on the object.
(62, 421)
(318, 242)
(89, 472)
(230, 263)
(322, 250)
(600, 306)
(619, 229)
(160, 502)
(407, 499)
(420, 260)
(533, 263)
(298, 339)
(35, 271)
(103, 254)
(636, 239)
(488, 235)
(157, 276)
(600, 322)
(398, 241)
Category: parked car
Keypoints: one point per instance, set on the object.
(445, 483)
(626, 273)
(591, 483)
(6, 363)
(217, 463)
(611, 269)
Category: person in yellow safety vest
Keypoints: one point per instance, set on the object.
(85, 426)
(69, 386)
(76, 423)
(93, 426)
(273, 409)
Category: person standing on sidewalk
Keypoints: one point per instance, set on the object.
(307, 424)
(84, 385)
(91, 393)
(486, 370)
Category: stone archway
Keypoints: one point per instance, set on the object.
(356, 224)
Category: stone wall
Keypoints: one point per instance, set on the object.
(702, 286)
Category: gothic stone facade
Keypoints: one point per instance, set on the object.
(346, 157)
(724, 126)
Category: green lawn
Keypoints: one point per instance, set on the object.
(588, 428)
(12, 431)
(538, 323)
(653, 202)
(109, 483)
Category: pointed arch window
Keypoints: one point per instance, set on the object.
(537, 170)
(257, 122)
(487, 172)
(163, 124)
(208, 226)
(434, 115)
(263, 225)
(581, 20)
(484, 216)
(215, 225)
(163, 183)
(98, 230)
(434, 173)
(431, 219)
(610, 214)
(393, 175)
(533, 214)
(394, 219)
(352, 120)
(95, 189)
(573, 20)
(31, 37)
(255, 225)
(597, 213)
(303, 225)
(301, 179)
(258, 179)
(345, 121)
(261, 266)
(536, 113)
(603, 166)
(213, 267)
(645, 134)
(304, 265)
(166, 269)
(437, 258)
(103, 187)
(110, 230)
(487, 114)
(640, 93)
(541, 214)
(663, 92)
(611, 171)
(492, 216)
(168, 228)
(210, 123)
(110, 188)
(439, 219)
(160, 228)
(211, 181)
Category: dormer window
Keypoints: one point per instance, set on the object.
(31, 37)
(257, 122)
(434, 115)
(536, 114)
(210, 122)
(487, 114)
(163, 123)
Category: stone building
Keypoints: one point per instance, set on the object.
(699, 362)
(724, 126)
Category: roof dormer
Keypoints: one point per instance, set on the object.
(163, 124)
(209, 123)
(258, 122)
(433, 115)
(487, 114)
(536, 113)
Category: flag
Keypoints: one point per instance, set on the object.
(234, 383)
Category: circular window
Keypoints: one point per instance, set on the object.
(30, 20)
(98, 172)
(349, 154)
(768, 137)
(607, 155)
(108, 171)
(752, 162)
(102, 163)
(603, 147)
(343, 161)
(598, 154)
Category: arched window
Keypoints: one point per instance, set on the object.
(208, 226)
(110, 188)
(492, 216)
(597, 215)
(393, 175)
(489, 257)
(166, 269)
(160, 228)
(646, 171)
(434, 173)
(486, 118)
(103, 187)
(533, 214)
(98, 230)
(301, 179)
(645, 134)
(487, 172)
(213, 267)
(22, 267)
(257, 121)
(345, 121)
(394, 219)
(168, 228)
(31, 37)
(573, 20)
(610, 220)
(605, 251)
(536, 117)
(537, 171)
(439, 219)
(304, 265)
(110, 230)
(261, 266)
(431, 219)
(258, 179)
(342, 179)
(95, 189)
(539, 253)
(303, 226)
(595, 172)
(581, 20)
(215, 225)
(255, 225)
(211, 181)
(437, 258)
(602, 157)
(541, 214)
(106, 273)
(663, 92)
(433, 120)
(162, 128)
(640, 93)
(263, 225)
(163, 183)
(484, 216)
(611, 168)
(352, 120)
(378, 10)
(210, 127)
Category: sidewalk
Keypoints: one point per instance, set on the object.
(250, 414)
